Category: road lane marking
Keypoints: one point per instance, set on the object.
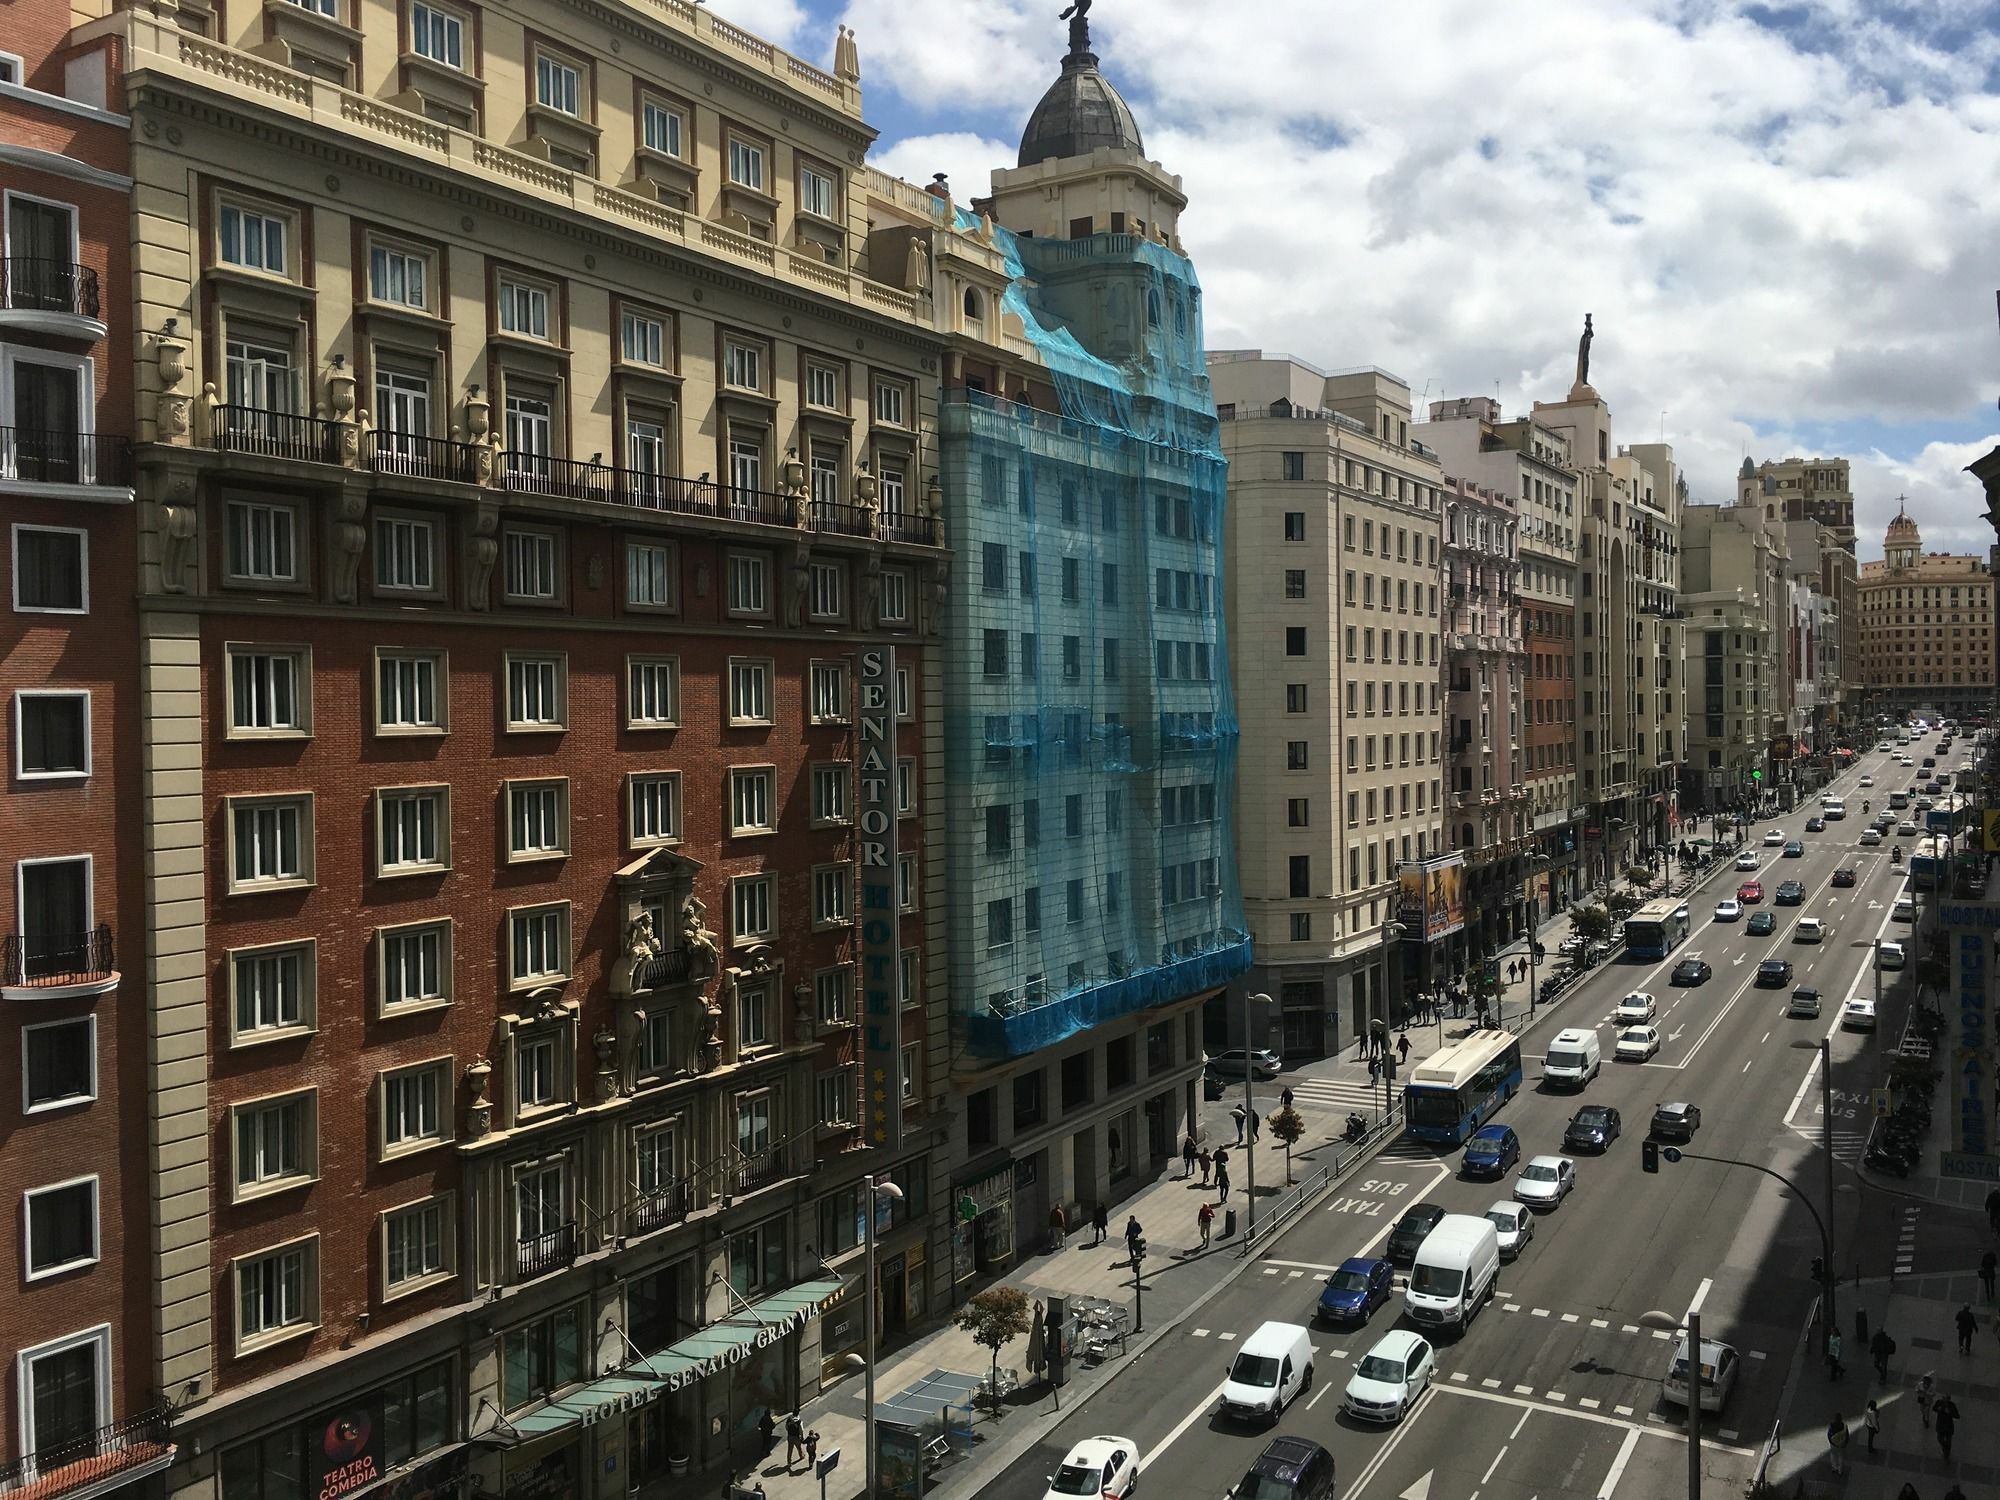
(1517, 1429)
(1460, 1376)
(1747, 1062)
(1617, 1472)
(1201, 1333)
(1558, 1396)
(1511, 1307)
(1628, 1327)
(1623, 1411)
(1700, 1296)
(1599, 1323)
(1490, 1384)
(1569, 1317)
(1195, 1415)
(1225, 1336)
(1303, 1265)
(1487, 1477)
(1316, 1399)
(1403, 1430)
(1538, 1312)
(1524, 1390)
(1588, 1403)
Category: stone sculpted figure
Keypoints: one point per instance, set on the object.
(1583, 353)
(696, 936)
(641, 943)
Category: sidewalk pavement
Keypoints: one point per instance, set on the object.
(1918, 1314)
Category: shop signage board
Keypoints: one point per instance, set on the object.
(881, 940)
(1970, 1056)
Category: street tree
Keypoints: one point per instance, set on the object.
(995, 1318)
(1288, 1125)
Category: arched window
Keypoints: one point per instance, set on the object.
(975, 306)
(1153, 307)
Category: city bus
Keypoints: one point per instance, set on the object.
(1949, 816)
(1929, 863)
(1456, 1090)
(1965, 778)
(1656, 929)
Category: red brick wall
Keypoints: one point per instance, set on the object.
(1550, 632)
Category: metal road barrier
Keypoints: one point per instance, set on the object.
(1296, 1199)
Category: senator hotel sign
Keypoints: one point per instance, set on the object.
(1969, 1028)
(875, 853)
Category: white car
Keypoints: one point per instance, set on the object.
(1719, 1366)
(1773, 838)
(1389, 1378)
(1636, 1008)
(1516, 1226)
(1870, 837)
(1097, 1466)
(1858, 1015)
(1808, 930)
(1890, 956)
(1545, 1181)
(1747, 860)
(1637, 1043)
(1728, 909)
(1868, 781)
(1903, 909)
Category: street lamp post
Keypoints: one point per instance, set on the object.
(1827, 1278)
(875, 1187)
(1670, 1324)
(1249, 1113)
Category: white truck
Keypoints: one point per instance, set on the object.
(1455, 1272)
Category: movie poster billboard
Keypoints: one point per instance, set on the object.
(1432, 897)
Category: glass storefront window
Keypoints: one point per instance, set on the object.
(415, 1419)
(542, 1357)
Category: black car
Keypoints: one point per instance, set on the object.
(1791, 892)
(1290, 1468)
(1408, 1235)
(1213, 1084)
(1692, 971)
(1593, 1128)
(1845, 875)
(1676, 1122)
(1774, 973)
(1815, 825)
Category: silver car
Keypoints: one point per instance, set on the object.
(1545, 1181)
(1515, 1225)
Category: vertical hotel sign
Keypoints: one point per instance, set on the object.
(875, 845)
(1972, 1055)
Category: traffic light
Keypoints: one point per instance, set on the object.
(1138, 1249)
(1649, 1155)
(1756, 775)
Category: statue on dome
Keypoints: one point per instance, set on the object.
(1078, 16)
(1583, 353)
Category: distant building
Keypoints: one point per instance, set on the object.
(1926, 627)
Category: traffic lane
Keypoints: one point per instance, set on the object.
(1464, 1443)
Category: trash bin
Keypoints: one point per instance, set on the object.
(1228, 1222)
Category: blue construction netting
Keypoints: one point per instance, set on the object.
(1091, 738)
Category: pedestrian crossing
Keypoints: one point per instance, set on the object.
(1340, 1093)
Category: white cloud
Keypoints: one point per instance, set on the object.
(1776, 231)
(783, 23)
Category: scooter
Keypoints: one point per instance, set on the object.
(1896, 854)
(1356, 1128)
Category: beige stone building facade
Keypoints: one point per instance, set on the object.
(1335, 625)
(1736, 591)
(1926, 627)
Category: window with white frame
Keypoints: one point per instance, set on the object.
(533, 566)
(833, 992)
(58, 1063)
(416, 966)
(656, 1056)
(895, 596)
(824, 474)
(51, 570)
(912, 1069)
(399, 275)
(662, 128)
(10, 72)
(52, 735)
(558, 85)
(749, 583)
(646, 451)
(270, 843)
(822, 386)
(829, 692)
(437, 35)
(906, 694)
(277, 1293)
(414, 828)
(743, 365)
(746, 164)
(753, 1014)
(416, 1107)
(537, 819)
(891, 403)
(410, 696)
(656, 807)
(537, 692)
(749, 690)
(751, 902)
(829, 591)
(832, 890)
(530, 429)
(271, 991)
(406, 555)
(402, 410)
(524, 307)
(259, 542)
(260, 374)
(538, 944)
(906, 786)
(253, 239)
(654, 1160)
(650, 576)
(906, 882)
(819, 191)
(537, 1070)
(270, 689)
(836, 1097)
(274, 1142)
(541, 1201)
(642, 339)
(829, 792)
(746, 468)
(653, 692)
(894, 492)
(61, 1227)
(906, 974)
(750, 809)
(416, 1244)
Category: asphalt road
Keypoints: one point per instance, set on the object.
(1554, 1391)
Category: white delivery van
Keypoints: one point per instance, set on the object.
(1573, 1059)
(1271, 1367)
(1456, 1269)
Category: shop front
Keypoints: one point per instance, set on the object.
(982, 1228)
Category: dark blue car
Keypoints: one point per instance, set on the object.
(1356, 1290)
(1491, 1152)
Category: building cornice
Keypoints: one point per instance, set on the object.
(56, 102)
(31, 159)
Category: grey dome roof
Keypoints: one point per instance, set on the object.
(1080, 112)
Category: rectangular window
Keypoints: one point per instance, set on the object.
(906, 788)
(61, 1227)
(274, 1143)
(829, 692)
(829, 792)
(828, 592)
(822, 386)
(532, 571)
(749, 691)
(1295, 526)
(437, 35)
(544, 1356)
(835, 1097)
(746, 164)
(743, 366)
(833, 990)
(831, 888)
(414, 1107)
(753, 1015)
(747, 587)
(254, 240)
(751, 901)
(891, 404)
(538, 943)
(537, 692)
(405, 555)
(537, 819)
(750, 800)
(415, 1245)
(416, 966)
(277, 1292)
(270, 842)
(414, 826)
(656, 807)
(271, 991)
(650, 576)
(399, 276)
(661, 128)
(410, 693)
(58, 1063)
(259, 545)
(818, 192)
(642, 340)
(653, 692)
(524, 306)
(912, 1069)
(557, 85)
(51, 735)
(999, 922)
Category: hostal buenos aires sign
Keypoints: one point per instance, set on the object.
(1971, 1062)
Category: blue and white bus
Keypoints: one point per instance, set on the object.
(1930, 864)
(1656, 929)
(1456, 1090)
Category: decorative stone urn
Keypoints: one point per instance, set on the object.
(478, 1111)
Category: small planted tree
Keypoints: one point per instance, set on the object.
(1590, 921)
(1289, 1126)
(995, 1318)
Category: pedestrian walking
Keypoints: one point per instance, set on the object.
(767, 1429)
(1908, 1492)
(1374, 1068)
(1836, 1443)
(1133, 1234)
(1206, 1162)
(1403, 1047)
(1221, 1184)
(1946, 1412)
(1204, 1220)
(1834, 1369)
(1967, 1322)
(1954, 1493)
(1256, 1125)
(1100, 1221)
(1236, 1117)
(812, 1449)
(1190, 1153)
(1993, 1210)
(1881, 1347)
(1926, 1394)
(1058, 1227)
(1871, 1419)
(1989, 1263)
(795, 1441)
(1285, 1099)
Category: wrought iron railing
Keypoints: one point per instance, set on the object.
(415, 456)
(662, 969)
(656, 1210)
(92, 1457)
(30, 283)
(544, 474)
(838, 519)
(539, 1254)
(57, 958)
(759, 1169)
(275, 434)
(41, 456)
(923, 530)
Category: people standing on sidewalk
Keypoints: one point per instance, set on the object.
(1255, 1125)
(1946, 1412)
(1871, 1419)
(1967, 1323)
(1204, 1220)
(1834, 1369)
(1836, 1443)
(1881, 1347)
(795, 1441)
(1993, 1210)
(1374, 1069)
(1989, 1263)
(1926, 1394)
(1206, 1162)
(1189, 1154)
(1133, 1234)
(1222, 1176)
(1285, 1099)
(1237, 1118)
(1100, 1222)
(1058, 1227)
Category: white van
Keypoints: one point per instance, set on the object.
(1899, 800)
(1573, 1059)
(1833, 808)
(1455, 1271)
(1271, 1367)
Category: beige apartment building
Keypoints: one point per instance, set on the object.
(1735, 590)
(1818, 491)
(1926, 627)
(1333, 551)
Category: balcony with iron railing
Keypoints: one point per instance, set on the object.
(50, 296)
(49, 460)
(838, 519)
(113, 1456)
(414, 455)
(58, 965)
(751, 1171)
(275, 434)
(539, 1254)
(661, 1208)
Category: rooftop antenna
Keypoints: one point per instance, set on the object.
(1663, 425)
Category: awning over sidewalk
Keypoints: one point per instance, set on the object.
(729, 1341)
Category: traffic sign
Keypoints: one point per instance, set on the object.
(1672, 1153)
(1883, 1109)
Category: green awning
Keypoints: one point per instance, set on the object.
(586, 1406)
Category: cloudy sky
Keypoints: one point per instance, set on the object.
(1776, 214)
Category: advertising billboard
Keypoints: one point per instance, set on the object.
(1432, 897)
(881, 942)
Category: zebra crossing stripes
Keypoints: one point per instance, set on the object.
(1340, 1093)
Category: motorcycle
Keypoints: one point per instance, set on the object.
(1896, 854)
(1880, 1161)
(1356, 1128)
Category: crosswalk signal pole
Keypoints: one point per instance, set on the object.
(1138, 1285)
